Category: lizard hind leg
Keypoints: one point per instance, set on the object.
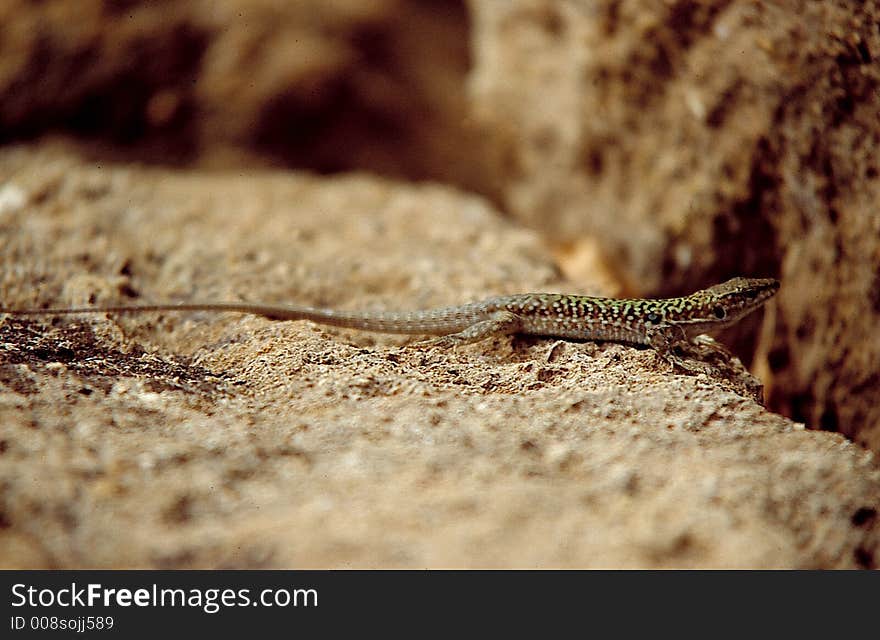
(499, 323)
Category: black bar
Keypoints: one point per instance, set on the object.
(331, 601)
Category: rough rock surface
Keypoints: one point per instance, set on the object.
(693, 139)
(703, 139)
(204, 440)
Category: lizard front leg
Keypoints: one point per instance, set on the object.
(708, 342)
(664, 338)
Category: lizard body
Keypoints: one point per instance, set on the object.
(659, 323)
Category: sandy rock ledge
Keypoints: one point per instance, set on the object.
(228, 441)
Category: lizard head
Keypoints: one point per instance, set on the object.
(722, 305)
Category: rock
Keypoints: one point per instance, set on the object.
(200, 440)
(701, 140)
(376, 85)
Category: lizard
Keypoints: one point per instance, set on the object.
(662, 324)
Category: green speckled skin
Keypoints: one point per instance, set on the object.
(633, 320)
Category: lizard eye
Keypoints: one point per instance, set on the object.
(752, 294)
(719, 312)
(653, 318)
